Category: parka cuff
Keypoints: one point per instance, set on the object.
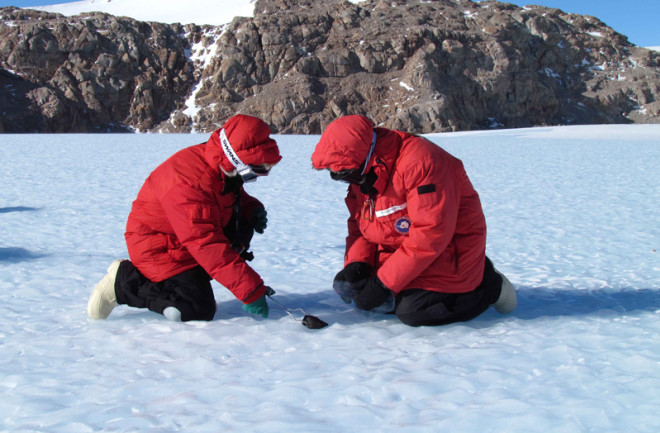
(255, 294)
(388, 284)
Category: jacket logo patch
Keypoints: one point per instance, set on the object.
(425, 189)
(402, 225)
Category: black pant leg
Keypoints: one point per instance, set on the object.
(417, 307)
(491, 283)
(190, 292)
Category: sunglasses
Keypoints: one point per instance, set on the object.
(249, 173)
(353, 175)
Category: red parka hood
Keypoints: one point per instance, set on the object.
(344, 144)
(250, 139)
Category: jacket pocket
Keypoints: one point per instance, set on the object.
(390, 222)
(175, 250)
(202, 214)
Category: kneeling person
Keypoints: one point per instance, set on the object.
(416, 241)
(191, 222)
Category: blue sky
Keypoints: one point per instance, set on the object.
(637, 19)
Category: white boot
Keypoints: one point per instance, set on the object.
(103, 299)
(508, 300)
(172, 313)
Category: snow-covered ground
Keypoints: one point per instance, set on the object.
(215, 12)
(573, 221)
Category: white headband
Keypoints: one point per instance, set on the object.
(229, 152)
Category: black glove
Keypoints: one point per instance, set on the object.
(346, 279)
(353, 272)
(370, 293)
(259, 220)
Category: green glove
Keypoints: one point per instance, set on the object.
(260, 306)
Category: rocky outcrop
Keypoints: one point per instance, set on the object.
(418, 66)
(91, 73)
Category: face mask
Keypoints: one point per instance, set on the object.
(367, 187)
(353, 176)
(232, 184)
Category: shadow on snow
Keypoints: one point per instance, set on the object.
(325, 305)
(533, 303)
(14, 255)
(18, 209)
(538, 302)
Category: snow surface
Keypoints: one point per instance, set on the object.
(214, 12)
(201, 54)
(200, 12)
(573, 221)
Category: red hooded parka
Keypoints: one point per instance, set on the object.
(425, 229)
(176, 222)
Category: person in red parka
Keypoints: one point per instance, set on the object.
(416, 243)
(191, 222)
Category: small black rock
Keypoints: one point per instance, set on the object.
(313, 322)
